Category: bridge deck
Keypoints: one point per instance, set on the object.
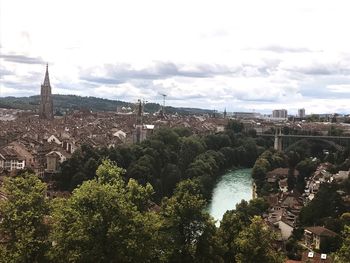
(305, 136)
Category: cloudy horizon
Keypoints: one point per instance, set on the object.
(239, 55)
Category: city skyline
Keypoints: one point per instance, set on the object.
(247, 56)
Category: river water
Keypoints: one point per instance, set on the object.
(230, 190)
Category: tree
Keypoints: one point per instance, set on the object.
(23, 225)
(171, 175)
(104, 221)
(217, 141)
(261, 167)
(291, 179)
(255, 244)
(293, 158)
(234, 221)
(343, 254)
(235, 126)
(230, 226)
(143, 170)
(345, 219)
(188, 227)
(190, 148)
(327, 203)
(229, 154)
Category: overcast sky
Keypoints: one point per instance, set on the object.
(242, 55)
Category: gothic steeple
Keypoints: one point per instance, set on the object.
(46, 105)
(47, 79)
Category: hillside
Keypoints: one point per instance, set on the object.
(63, 103)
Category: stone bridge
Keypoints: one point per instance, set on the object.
(330, 140)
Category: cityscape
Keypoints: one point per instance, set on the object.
(174, 132)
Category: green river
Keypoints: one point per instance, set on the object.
(230, 189)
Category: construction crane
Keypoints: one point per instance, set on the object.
(164, 96)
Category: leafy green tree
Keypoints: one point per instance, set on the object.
(171, 175)
(343, 254)
(210, 247)
(247, 210)
(255, 244)
(260, 169)
(291, 180)
(306, 167)
(251, 152)
(169, 137)
(293, 158)
(234, 221)
(143, 170)
(230, 158)
(182, 131)
(80, 167)
(345, 219)
(217, 141)
(330, 244)
(23, 227)
(235, 126)
(190, 148)
(230, 226)
(106, 221)
(188, 227)
(327, 203)
(293, 248)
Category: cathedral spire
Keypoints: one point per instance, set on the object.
(47, 79)
(46, 104)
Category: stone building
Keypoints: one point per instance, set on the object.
(46, 104)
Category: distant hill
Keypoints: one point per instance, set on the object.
(63, 103)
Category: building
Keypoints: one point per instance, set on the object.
(246, 115)
(280, 114)
(10, 160)
(141, 131)
(314, 236)
(301, 113)
(54, 159)
(46, 104)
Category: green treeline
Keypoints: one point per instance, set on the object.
(109, 220)
(65, 103)
(168, 157)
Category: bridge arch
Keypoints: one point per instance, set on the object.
(302, 141)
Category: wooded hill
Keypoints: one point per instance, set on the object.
(63, 103)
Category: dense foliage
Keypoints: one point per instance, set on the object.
(23, 230)
(168, 157)
(109, 220)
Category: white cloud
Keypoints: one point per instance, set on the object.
(342, 88)
(212, 54)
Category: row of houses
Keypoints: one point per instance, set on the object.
(285, 206)
(40, 157)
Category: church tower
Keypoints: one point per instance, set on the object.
(46, 105)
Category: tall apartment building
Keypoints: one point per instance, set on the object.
(282, 113)
(301, 113)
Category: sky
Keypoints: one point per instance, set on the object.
(239, 55)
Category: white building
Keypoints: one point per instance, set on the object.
(301, 113)
(9, 160)
(281, 114)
